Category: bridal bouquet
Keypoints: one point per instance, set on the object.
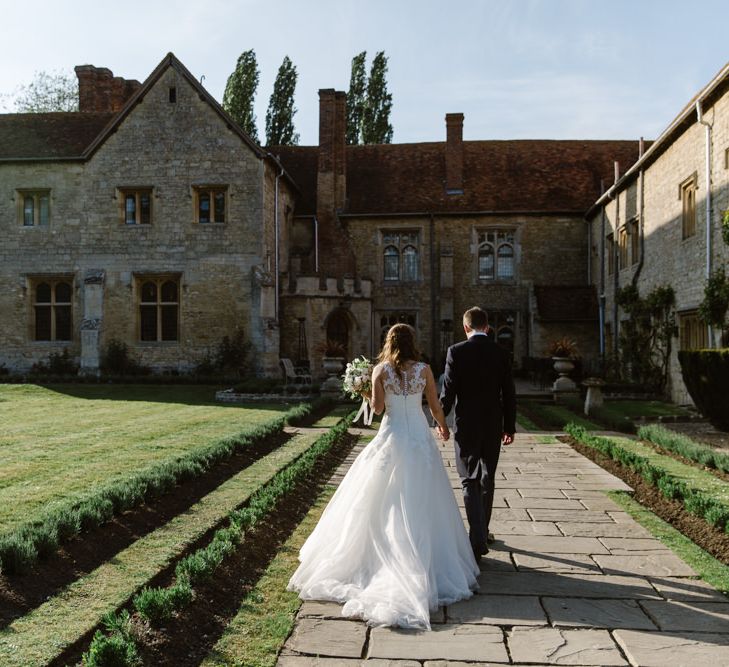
(357, 379)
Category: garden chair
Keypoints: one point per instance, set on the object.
(295, 375)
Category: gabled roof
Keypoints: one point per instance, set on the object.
(566, 303)
(78, 135)
(54, 136)
(534, 176)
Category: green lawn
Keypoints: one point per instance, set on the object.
(635, 409)
(58, 441)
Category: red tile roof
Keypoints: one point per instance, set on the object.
(49, 135)
(566, 303)
(509, 176)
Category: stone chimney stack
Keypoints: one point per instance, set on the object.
(100, 90)
(336, 257)
(454, 153)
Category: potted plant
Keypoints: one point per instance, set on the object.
(563, 351)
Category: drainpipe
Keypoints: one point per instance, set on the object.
(433, 294)
(316, 245)
(616, 267)
(700, 118)
(641, 213)
(276, 241)
(601, 296)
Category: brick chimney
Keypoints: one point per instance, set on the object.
(454, 153)
(100, 90)
(336, 256)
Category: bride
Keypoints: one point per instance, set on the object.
(391, 544)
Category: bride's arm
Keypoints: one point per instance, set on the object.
(377, 398)
(436, 409)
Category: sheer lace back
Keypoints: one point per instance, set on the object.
(406, 383)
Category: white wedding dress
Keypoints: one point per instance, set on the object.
(391, 543)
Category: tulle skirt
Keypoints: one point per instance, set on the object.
(391, 544)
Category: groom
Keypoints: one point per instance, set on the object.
(478, 374)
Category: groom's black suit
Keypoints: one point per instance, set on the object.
(478, 374)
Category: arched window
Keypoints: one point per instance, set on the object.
(496, 254)
(400, 257)
(409, 263)
(389, 319)
(392, 263)
(505, 266)
(486, 262)
(52, 307)
(159, 310)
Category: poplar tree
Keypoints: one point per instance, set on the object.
(356, 98)
(240, 92)
(281, 110)
(376, 128)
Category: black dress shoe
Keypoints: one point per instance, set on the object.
(490, 539)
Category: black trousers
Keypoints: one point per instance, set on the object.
(477, 470)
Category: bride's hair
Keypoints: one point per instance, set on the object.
(399, 347)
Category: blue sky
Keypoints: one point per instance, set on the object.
(582, 69)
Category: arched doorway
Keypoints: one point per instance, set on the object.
(338, 330)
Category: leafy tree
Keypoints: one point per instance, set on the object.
(281, 109)
(376, 128)
(48, 91)
(240, 90)
(356, 98)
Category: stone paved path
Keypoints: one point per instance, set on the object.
(571, 580)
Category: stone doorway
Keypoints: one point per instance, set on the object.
(338, 330)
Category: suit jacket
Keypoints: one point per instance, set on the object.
(478, 374)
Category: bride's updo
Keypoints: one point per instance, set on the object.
(399, 347)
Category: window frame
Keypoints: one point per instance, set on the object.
(687, 194)
(159, 280)
(211, 190)
(610, 252)
(52, 281)
(503, 237)
(634, 243)
(399, 316)
(401, 240)
(36, 194)
(691, 329)
(136, 192)
(623, 247)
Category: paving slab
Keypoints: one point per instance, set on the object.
(542, 493)
(681, 649)
(545, 503)
(689, 590)
(563, 516)
(689, 616)
(608, 614)
(498, 610)
(554, 646)
(308, 661)
(625, 546)
(341, 639)
(533, 484)
(570, 585)
(555, 545)
(504, 514)
(556, 563)
(501, 528)
(443, 642)
(497, 560)
(601, 529)
(666, 564)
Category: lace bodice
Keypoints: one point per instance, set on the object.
(407, 383)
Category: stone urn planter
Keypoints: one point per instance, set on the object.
(594, 398)
(563, 366)
(333, 367)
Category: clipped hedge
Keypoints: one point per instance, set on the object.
(706, 375)
(694, 501)
(684, 446)
(21, 547)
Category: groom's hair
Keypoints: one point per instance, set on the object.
(475, 318)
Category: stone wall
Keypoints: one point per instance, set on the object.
(222, 268)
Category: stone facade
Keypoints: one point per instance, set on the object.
(222, 270)
(650, 195)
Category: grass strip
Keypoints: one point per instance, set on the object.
(701, 493)
(255, 635)
(711, 570)
(684, 446)
(553, 416)
(157, 604)
(333, 417)
(41, 536)
(604, 415)
(43, 634)
(526, 423)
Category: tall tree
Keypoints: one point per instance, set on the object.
(376, 128)
(356, 98)
(240, 92)
(281, 109)
(48, 91)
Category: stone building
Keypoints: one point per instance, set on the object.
(150, 217)
(660, 224)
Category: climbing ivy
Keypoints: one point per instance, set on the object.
(646, 335)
